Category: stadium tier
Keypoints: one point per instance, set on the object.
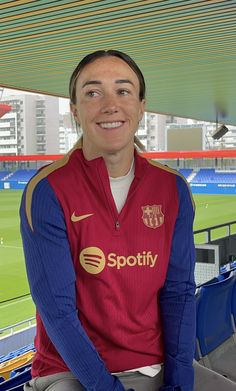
(206, 175)
(209, 175)
(3, 175)
(186, 172)
(15, 179)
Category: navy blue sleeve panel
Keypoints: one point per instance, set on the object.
(52, 283)
(177, 299)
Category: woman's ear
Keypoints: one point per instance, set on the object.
(142, 109)
(74, 111)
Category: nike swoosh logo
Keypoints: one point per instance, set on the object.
(75, 218)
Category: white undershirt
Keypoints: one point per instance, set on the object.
(120, 188)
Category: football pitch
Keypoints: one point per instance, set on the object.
(15, 301)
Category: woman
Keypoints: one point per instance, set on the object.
(109, 249)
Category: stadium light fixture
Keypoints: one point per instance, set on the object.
(220, 132)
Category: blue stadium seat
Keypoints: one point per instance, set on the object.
(234, 302)
(186, 171)
(20, 387)
(209, 175)
(215, 343)
(17, 352)
(3, 174)
(17, 371)
(16, 381)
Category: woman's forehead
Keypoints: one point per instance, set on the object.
(107, 68)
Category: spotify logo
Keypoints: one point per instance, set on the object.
(92, 259)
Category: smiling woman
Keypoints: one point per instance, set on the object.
(109, 251)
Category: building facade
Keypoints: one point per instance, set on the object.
(31, 127)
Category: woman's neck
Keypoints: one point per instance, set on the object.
(117, 166)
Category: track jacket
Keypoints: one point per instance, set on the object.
(112, 291)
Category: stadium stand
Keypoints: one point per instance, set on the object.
(17, 352)
(17, 381)
(7, 366)
(206, 175)
(3, 175)
(17, 388)
(216, 345)
(210, 175)
(22, 175)
(15, 385)
(186, 172)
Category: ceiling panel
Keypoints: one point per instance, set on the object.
(186, 49)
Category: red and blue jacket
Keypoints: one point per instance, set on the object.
(113, 291)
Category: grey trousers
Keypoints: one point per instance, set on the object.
(205, 380)
(67, 382)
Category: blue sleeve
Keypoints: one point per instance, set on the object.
(52, 283)
(177, 300)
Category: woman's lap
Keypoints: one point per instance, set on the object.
(66, 381)
(205, 380)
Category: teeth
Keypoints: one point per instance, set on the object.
(109, 125)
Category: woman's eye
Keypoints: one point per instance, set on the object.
(92, 93)
(124, 92)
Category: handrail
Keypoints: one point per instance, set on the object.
(208, 230)
(214, 227)
(13, 326)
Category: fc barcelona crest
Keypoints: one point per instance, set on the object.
(152, 216)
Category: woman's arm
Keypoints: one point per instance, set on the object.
(177, 300)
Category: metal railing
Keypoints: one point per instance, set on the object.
(209, 230)
(12, 329)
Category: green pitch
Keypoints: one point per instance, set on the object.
(210, 210)
(13, 280)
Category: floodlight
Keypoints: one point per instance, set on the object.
(220, 132)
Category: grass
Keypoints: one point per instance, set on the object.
(210, 210)
(13, 279)
(214, 210)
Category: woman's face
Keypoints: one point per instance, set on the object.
(107, 106)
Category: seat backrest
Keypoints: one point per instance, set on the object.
(214, 323)
(20, 387)
(234, 300)
(16, 380)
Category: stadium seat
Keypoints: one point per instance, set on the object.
(210, 175)
(16, 381)
(20, 387)
(216, 347)
(17, 371)
(7, 366)
(17, 353)
(234, 303)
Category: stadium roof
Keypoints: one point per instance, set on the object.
(186, 49)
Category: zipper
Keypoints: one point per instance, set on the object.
(117, 225)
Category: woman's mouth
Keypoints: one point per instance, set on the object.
(110, 125)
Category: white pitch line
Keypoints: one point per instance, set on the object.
(3, 245)
(14, 302)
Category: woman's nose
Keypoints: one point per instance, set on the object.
(109, 105)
